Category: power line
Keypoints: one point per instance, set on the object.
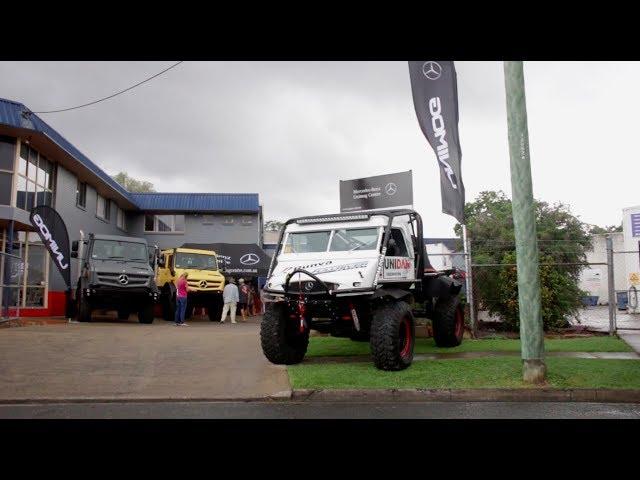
(115, 94)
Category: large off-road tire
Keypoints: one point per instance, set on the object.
(145, 315)
(282, 342)
(448, 322)
(123, 314)
(393, 335)
(188, 313)
(84, 307)
(169, 304)
(215, 309)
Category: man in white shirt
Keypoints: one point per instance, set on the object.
(230, 296)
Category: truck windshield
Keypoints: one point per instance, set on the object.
(343, 240)
(197, 261)
(307, 242)
(119, 250)
(346, 240)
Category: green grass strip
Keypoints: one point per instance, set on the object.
(332, 346)
(504, 372)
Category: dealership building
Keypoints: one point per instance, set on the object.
(40, 167)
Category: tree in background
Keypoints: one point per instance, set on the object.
(132, 184)
(273, 225)
(563, 241)
(595, 229)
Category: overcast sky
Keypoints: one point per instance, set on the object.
(291, 130)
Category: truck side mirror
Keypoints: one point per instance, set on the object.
(74, 254)
(161, 261)
(74, 247)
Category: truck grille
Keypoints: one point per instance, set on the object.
(205, 285)
(114, 279)
(309, 286)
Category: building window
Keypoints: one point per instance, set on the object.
(35, 179)
(81, 195)
(207, 219)
(7, 152)
(247, 220)
(164, 223)
(103, 208)
(228, 220)
(120, 218)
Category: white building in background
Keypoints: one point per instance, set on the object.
(594, 279)
(442, 253)
(631, 260)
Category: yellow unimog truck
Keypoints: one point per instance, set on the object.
(205, 280)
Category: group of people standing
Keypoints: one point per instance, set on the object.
(245, 298)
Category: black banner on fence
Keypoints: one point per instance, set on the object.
(55, 237)
(381, 191)
(435, 98)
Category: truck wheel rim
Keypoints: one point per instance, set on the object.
(405, 338)
(459, 322)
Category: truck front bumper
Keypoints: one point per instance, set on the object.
(101, 296)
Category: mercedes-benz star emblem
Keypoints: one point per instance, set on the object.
(249, 259)
(203, 284)
(308, 286)
(390, 189)
(123, 279)
(432, 70)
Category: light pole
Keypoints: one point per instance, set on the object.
(531, 332)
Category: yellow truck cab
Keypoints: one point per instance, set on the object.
(205, 281)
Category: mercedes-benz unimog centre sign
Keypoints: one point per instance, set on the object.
(381, 191)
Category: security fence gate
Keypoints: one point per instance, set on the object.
(625, 266)
(584, 282)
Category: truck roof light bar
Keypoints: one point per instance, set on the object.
(339, 218)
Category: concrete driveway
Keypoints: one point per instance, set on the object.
(118, 360)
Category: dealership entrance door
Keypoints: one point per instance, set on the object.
(25, 283)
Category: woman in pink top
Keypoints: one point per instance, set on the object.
(181, 299)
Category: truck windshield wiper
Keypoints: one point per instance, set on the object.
(116, 256)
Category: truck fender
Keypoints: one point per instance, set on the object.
(441, 287)
(395, 293)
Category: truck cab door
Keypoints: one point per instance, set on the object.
(399, 262)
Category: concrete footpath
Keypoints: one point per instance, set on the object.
(631, 339)
(113, 360)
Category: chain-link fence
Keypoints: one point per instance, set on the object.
(573, 282)
(626, 274)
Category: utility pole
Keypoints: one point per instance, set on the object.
(531, 332)
(469, 281)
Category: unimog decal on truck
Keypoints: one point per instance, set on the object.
(357, 276)
(328, 269)
(397, 267)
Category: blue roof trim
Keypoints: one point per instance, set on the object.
(17, 115)
(198, 202)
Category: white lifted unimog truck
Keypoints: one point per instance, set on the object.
(360, 276)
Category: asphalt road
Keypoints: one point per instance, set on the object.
(323, 410)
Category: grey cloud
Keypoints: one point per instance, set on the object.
(291, 130)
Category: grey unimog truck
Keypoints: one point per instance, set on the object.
(115, 273)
